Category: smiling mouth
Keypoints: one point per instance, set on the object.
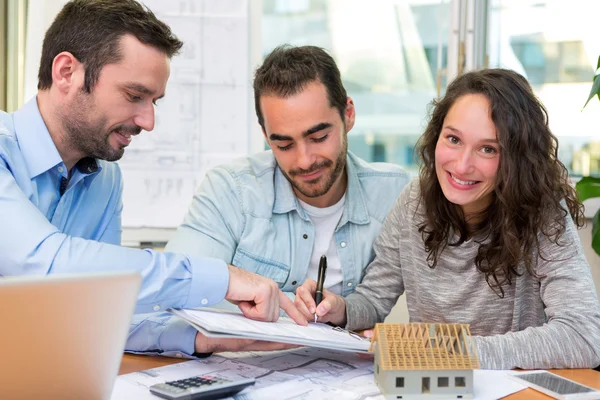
(124, 138)
(460, 182)
(311, 176)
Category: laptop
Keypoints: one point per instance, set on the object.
(63, 336)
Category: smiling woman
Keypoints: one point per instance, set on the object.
(491, 131)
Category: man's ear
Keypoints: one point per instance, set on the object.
(349, 114)
(67, 72)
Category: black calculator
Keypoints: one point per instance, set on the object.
(200, 387)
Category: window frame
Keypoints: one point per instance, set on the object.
(13, 21)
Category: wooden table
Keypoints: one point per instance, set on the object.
(588, 377)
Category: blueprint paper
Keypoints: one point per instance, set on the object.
(299, 374)
(203, 120)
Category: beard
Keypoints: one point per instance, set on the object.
(88, 133)
(322, 184)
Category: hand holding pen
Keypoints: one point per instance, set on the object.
(316, 302)
(320, 282)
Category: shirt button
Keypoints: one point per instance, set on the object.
(349, 284)
(343, 244)
(156, 307)
(305, 236)
(60, 169)
(204, 302)
(293, 283)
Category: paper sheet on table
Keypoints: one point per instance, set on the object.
(231, 324)
(299, 374)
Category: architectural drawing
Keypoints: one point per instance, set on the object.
(202, 122)
(304, 373)
(425, 361)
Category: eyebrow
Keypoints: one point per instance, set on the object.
(139, 88)
(453, 129)
(308, 132)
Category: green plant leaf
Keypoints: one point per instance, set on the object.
(595, 90)
(598, 66)
(588, 187)
(596, 232)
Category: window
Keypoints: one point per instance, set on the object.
(3, 63)
(443, 382)
(12, 52)
(425, 385)
(400, 381)
(559, 59)
(459, 381)
(552, 62)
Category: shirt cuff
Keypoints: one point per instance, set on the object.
(178, 336)
(210, 281)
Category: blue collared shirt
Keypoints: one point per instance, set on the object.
(247, 214)
(43, 232)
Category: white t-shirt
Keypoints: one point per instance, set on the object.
(325, 220)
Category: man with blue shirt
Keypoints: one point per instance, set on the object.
(104, 64)
(277, 212)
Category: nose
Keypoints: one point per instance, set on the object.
(305, 157)
(464, 164)
(145, 117)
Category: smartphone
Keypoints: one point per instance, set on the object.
(555, 386)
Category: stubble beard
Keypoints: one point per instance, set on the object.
(307, 188)
(86, 133)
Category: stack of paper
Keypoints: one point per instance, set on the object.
(229, 324)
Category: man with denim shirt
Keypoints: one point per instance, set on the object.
(104, 64)
(277, 212)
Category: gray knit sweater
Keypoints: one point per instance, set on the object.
(550, 322)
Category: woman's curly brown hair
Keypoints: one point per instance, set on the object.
(531, 182)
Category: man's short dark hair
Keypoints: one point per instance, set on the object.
(287, 70)
(91, 30)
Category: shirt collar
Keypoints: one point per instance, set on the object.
(355, 207)
(285, 198)
(88, 166)
(35, 142)
(37, 147)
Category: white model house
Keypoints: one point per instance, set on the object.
(425, 361)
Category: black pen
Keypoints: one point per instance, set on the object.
(320, 282)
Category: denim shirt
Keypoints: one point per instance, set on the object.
(247, 214)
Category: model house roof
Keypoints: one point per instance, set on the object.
(418, 346)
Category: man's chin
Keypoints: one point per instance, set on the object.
(114, 155)
(311, 192)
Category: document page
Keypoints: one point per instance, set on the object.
(225, 323)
